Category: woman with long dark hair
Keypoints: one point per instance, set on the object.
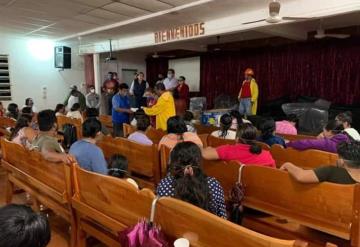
(12, 111)
(246, 150)
(268, 136)
(186, 180)
(23, 134)
(225, 125)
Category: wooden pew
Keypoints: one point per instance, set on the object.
(62, 120)
(203, 229)
(204, 138)
(5, 124)
(43, 180)
(264, 146)
(128, 129)
(144, 160)
(205, 129)
(326, 207)
(295, 137)
(154, 134)
(309, 159)
(105, 205)
(213, 141)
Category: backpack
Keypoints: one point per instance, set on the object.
(70, 136)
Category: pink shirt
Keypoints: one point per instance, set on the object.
(285, 127)
(241, 153)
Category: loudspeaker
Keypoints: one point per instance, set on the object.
(62, 57)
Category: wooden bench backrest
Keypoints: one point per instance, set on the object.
(143, 159)
(6, 123)
(128, 129)
(111, 201)
(295, 137)
(226, 172)
(213, 141)
(62, 120)
(204, 138)
(306, 159)
(106, 120)
(326, 207)
(264, 146)
(164, 159)
(154, 134)
(205, 129)
(203, 229)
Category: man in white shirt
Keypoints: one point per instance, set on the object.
(170, 82)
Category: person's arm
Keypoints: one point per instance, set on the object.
(118, 106)
(131, 91)
(87, 101)
(308, 144)
(239, 96)
(299, 174)
(98, 103)
(67, 99)
(210, 153)
(155, 109)
(52, 156)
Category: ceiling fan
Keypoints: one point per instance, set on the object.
(274, 17)
(320, 33)
(217, 46)
(110, 57)
(156, 55)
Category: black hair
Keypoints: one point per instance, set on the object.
(92, 112)
(27, 101)
(182, 78)
(91, 127)
(123, 86)
(172, 70)
(235, 114)
(13, 110)
(176, 125)
(160, 87)
(345, 117)
(74, 92)
(118, 166)
(59, 107)
(22, 122)
(267, 128)
(75, 107)
(142, 122)
(140, 73)
(20, 226)
(139, 113)
(46, 120)
(27, 110)
(246, 134)
(336, 127)
(225, 124)
(350, 152)
(188, 116)
(192, 186)
(292, 118)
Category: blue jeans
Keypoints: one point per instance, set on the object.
(245, 106)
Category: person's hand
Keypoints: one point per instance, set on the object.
(130, 111)
(285, 166)
(68, 159)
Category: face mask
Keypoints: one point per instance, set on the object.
(170, 75)
(92, 90)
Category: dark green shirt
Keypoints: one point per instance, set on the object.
(334, 174)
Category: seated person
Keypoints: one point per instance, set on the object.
(46, 141)
(27, 111)
(177, 132)
(118, 167)
(347, 170)
(75, 112)
(346, 119)
(246, 151)
(139, 113)
(288, 126)
(268, 134)
(94, 113)
(12, 111)
(225, 132)
(89, 156)
(60, 110)
(23, 134)
(188, 117)
(332, 137)
(186, 181)
(20, 226)
(237, 119)
(142, 123)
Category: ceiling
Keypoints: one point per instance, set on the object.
(58, 18)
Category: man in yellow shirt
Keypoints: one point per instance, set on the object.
(164, 107)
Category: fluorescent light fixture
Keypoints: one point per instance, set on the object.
(41, 49)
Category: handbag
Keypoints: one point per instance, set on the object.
(234, 204)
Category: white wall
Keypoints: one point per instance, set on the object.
(125, 60)
(29, 74)
(190, 68)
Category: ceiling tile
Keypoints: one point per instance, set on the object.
(125, 9)
(150, 5)
(92, 19)
(94, 3)
(101, 13)
(177, 2)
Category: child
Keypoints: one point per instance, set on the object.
(118, 167)
(188, 117)
(151, 100)
(75, 112)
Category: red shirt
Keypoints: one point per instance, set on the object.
(183, 90)
(241, 153)
(245, 90)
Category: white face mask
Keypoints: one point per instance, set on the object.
(92, 90)
(170, 75)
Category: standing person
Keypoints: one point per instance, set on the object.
(248, 95)
(181, 95)
(29, 102)
(138, 87)
(89, 156)
(160, 78)
(92, 99)
(170, 81)
(76, 94)
(121, 109)
(75, 112)
(164, 107)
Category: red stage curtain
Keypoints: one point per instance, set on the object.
(328, 69)
(89, 70)
(154, 66)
